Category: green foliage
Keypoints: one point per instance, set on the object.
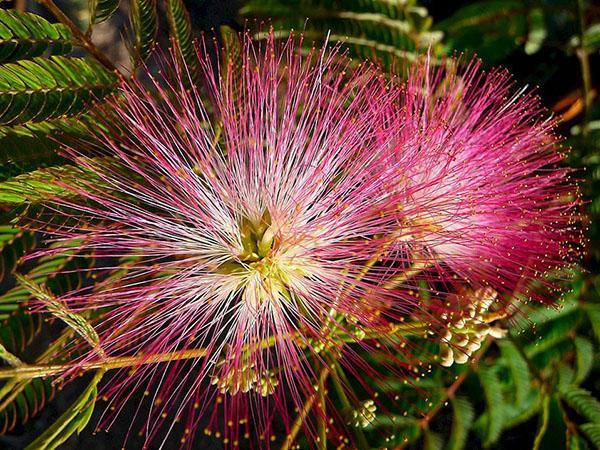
(462, 421)
(72, 421)
(376, 29)
(40, 185)
(144, 20)
(34, 145)
(519, 371)
(61, 311)
(24, 35)
(491, 421)
(100, 10)
(491, 28)
(582, 401)
(41, 89)
(180, 30)
(15, 245)
(549, 362)
(19, 330)
(592, 431)
(19, 402)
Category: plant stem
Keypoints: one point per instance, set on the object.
(451, 390)
(84, 40)
(336, 374)
(297, 425)
(110, 363)
(586, 75)
(406, 275)
(322, 416)
(544, 424)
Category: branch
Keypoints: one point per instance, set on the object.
(110, 363)
(451, 390)
(84, 40)
(289, 440)
(586, 75)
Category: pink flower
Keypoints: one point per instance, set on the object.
(294, 221)
(252, 218)
(482, 192)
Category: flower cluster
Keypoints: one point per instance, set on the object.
(290, 222)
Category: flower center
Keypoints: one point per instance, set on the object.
(257, 238)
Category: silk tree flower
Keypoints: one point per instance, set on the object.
(252, 217)
(484, 193)
(289, 223)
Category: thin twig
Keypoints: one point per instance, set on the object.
(586, 75)
(84, 40)
(539, 436)
(338, 377)
(110, 363)
(308, 404)
(322, 416)
(450, 392)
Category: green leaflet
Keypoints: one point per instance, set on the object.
(8, 357)
(593, 313)
(582, 401)
(375, 29)
(493, 419)
(14, 244)
(25, 35)
(592, 431)
(34, 145)
(462, 421)
(41, 185)
(22, 400)
(47, 270)
(432, 441)
(100, 10)
(61, 311)
(73, 420)
(591, 38)
(41, 89)
(552, 333)
(521, 376)
(19, 330)
(584, 352)
(180, 29)
(144, 21)
(490, 28)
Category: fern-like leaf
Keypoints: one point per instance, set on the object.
(47, 270)
(71, 421)
(376, 29)
(14, 243)
(100, 10)
(432, 441)
(34, 145)
(521, 376)
(493, 418)
(40, 185)
(491, 28)
(593, 313)
(144, 20)
(592, 431)
(41, 89)
(61, 311)
(583, 402)
(584, 352)
(22, 400)
(180, 29)
(462, 421)
(25, 35)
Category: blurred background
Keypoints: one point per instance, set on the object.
(539, 388)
